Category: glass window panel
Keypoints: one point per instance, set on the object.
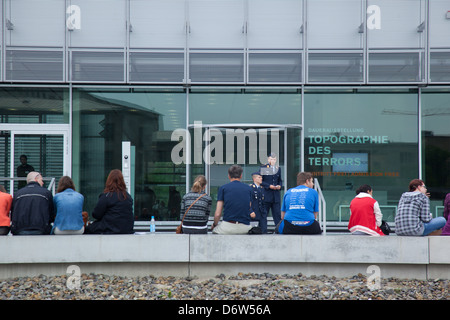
(156, 67)
(102, 24)
(440, 66)
(216, 24)
(395, 67)
(35, 23)
(262, 107)
(45, 153)
(97, 66)
(375, 143)
(394, 23)
(245, 146)
(103, 119)
(436, 145)
(275, 67)
(157, 24)
(275, 24)
(34, 65)
(439, 24)
(216, 67)
(34, 105)
(334, 24)
(335, 67)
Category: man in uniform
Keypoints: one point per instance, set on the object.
(272, 183)
(258, 205)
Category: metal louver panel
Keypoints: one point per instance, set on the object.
(44, 152)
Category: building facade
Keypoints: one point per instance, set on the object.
(354, 91)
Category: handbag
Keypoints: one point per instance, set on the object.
(385, 227)
(180, 227)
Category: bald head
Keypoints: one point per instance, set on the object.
(34, 176)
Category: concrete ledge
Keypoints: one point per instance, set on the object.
(314, 249)
(208, 255)
(94, 248)
(439, 250)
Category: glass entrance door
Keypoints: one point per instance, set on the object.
(247, 146)
(28, 150)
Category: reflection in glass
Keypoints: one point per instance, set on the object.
(275, 106)
(103, 119)
(34, 105)
(356, 138)
(248, 147)
(436, 146)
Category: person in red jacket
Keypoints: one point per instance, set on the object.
(5, 208)
(365, 213)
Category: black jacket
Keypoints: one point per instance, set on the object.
(113, 215)
(32, 209)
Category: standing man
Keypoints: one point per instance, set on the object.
(234, 198)
(32, 208)
(23, 170)
(272, 183)
(258, 205)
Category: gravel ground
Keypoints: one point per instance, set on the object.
(238, 287)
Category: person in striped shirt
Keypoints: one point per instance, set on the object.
(196, 219)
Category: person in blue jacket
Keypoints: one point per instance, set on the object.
(300, 208)
(69, 206)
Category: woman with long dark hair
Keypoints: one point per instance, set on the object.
(69, 206)
(114, 209)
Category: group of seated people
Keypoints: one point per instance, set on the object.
(35, 211)
(300, 206)
(413, 217)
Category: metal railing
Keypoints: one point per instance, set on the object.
(51, 185)
(322, 207)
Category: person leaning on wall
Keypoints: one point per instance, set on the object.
(114, 209)
(413, 216)
(69, 208)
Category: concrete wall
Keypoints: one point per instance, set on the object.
(209, 255)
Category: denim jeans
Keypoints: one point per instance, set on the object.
(433, 225)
